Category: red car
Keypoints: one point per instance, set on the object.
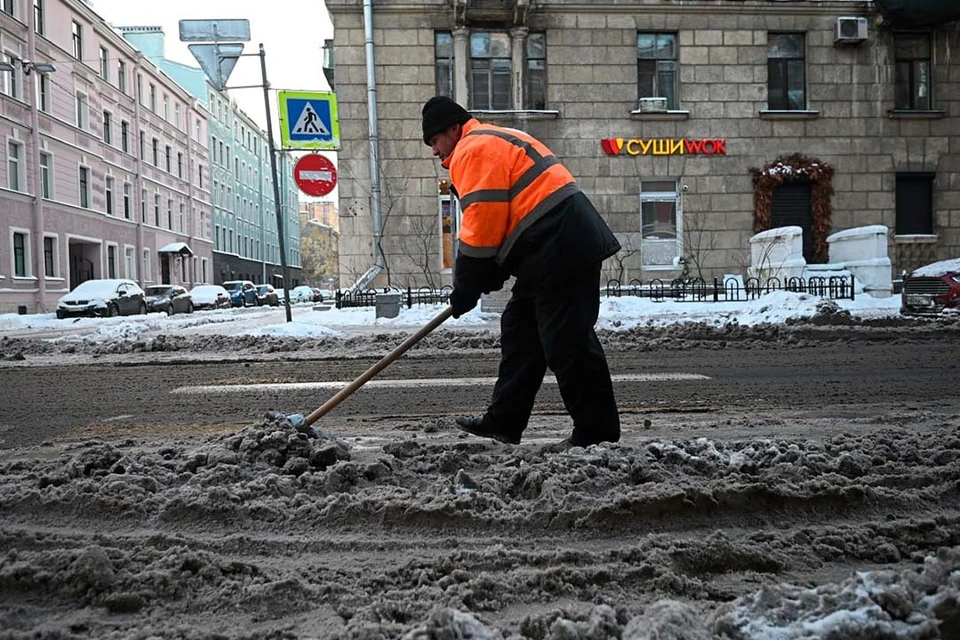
(932, 288)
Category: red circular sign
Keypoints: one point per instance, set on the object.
(315, 175)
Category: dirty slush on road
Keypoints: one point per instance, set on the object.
(276, 531)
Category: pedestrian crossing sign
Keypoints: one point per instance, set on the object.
(308, 120)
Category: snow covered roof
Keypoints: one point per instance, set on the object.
(176, 247)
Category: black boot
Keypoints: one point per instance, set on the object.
(481, 427)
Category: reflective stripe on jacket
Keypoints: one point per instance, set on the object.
(506, 180)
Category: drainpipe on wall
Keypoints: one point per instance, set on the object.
(379, 263)
(137, 116)
(39, 260)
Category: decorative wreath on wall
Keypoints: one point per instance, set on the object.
(790, 168)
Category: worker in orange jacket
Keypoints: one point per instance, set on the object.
(524, 215)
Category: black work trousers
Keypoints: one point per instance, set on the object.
(554, 327)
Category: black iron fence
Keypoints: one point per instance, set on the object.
(408, 296)
(689, 290)
(731, 289)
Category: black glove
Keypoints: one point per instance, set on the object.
(462, 301)
(493, 279)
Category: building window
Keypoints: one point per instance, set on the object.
(11, 79)
(153, 98)
(108, 192)
(129, 263)
(139, 88)
(122, 76)
(83, 112)
(15, 166)
(166, 108)
(84, 187)
(156, 152)
(535, 96)
(659, 223)
(143, 206)
(142, 145)
(77, 40)
(490, 70)
(107, 128)
(43, 92)
(50, 257)
(156, 209)
(182, 220)
(170, 214)
(111, 261)
(912, 71)
(178, 116)
(125, 136)
(38, 16)
(443, 61)
(216, 237)
(200, 175)
(46, 160)
(104, 64)
(126, 200)
(786, 80)
(179, 165)
(146, 265)
(203, 270)
(657, 67)
(168, 158)
(914, 202)
(20, 262)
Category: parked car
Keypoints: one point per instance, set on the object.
(242, 292)
(210, 296)
(266, 294)
(932, 288)
(303, 293)
(108, 297)
(326, 294)
(168, 299)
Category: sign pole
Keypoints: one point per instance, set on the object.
(276, 186)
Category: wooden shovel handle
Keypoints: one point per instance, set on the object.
(341, 395)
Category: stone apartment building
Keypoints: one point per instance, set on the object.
(692, 125)
(105, 171)
(244, 223)
(320, 244)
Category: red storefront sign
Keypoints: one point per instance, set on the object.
(663, 147)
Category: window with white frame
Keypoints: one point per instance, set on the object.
(182, 218)
(38, 17)
(660, 223)
(108, 189)
(170, 214)
(77, 40)
(107, 128)
(166, 108)
(43, 92)
(111, 261)
(125, 136)
(178, 116)
(127, 188)
(51, 256)
(21, 254)
(46, 174)
(104, 64)
(11, 79)
(153, 97)
(15, 159)
(84, 179)
(203, 270)
(146, 265)
(83, 111)
(156, 212)
(122, 76)
(129, 263)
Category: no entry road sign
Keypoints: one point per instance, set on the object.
(315, 175)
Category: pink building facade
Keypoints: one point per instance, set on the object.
(105, 171)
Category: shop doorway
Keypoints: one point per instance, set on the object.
(791, 208)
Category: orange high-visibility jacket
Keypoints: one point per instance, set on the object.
(506, 180)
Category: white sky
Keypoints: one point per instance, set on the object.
(292, 33)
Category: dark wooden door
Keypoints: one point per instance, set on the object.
(791, 208)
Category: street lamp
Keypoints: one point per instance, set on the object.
(27, 66)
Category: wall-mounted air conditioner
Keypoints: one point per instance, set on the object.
(851, 30)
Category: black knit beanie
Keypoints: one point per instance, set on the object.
(439, 113)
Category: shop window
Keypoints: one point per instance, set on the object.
(911, 71)
(490, 70)
(657, 67)
(914, 202)
(786, 74)
(660, 228)
(443, 62)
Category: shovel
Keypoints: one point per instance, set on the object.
(326, 407)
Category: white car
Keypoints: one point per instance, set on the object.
(210, 296)
(303, 293)
(108, 297)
